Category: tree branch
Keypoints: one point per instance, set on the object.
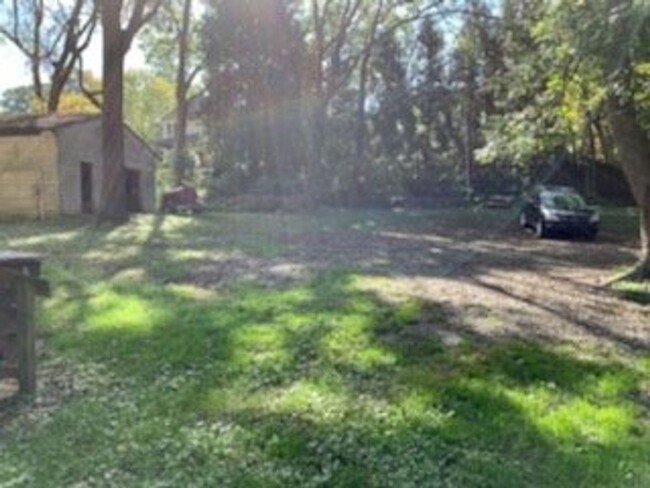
(91, 95)
(192, 76)
(139, 17)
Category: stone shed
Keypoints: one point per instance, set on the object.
(52, 166)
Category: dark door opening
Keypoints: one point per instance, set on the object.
(133, 200)
(87, 188)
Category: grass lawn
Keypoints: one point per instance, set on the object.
(155, 381)
(625, 222)
(634, 291)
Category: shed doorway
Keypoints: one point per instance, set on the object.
(133, 197)
(86, 188)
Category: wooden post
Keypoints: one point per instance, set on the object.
(19, 276)
(26, 338)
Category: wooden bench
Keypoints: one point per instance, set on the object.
(20, 283)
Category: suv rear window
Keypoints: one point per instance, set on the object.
(563, 201)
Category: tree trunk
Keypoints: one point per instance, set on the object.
(319, 111)
(113, 205)
(36, 53)
(603, 141)
(182, 88)
(180, 140)
(642, 270)
(38, 84)
(633, 145)
(54, 97)
(590, 169)
(318, 159)
(361, 136)
(469, 149)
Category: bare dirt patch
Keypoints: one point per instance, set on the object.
(517, 286)
(499, 284)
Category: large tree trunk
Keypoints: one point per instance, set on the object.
(113, 205)
(633, 145)
(57, 86)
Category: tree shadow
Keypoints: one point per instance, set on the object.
(405, 393)
(483, 434)
(635, 344)
(327, 382)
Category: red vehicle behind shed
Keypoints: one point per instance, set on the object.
(182, 199)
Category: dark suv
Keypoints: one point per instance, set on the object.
(552, 209)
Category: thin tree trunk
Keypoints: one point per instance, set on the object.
(590, 170)
(180, 140)
(469, 150)
(361, 136)
(451, 131)
(633, 146)
(182, 88)
(36, 54)
(113, 205)
(318, 161)
(319, 112)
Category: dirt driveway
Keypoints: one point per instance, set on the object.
(492, 283)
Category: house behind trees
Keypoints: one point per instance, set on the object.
(195, 123)
(52, 166)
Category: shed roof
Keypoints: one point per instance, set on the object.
(35, 124)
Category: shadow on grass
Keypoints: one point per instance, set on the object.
(312, 384)
(593, 326)
(324, 385)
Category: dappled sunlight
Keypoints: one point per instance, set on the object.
(112, 310)
(260, 346)
(194, 293)
(113, 253)
(321, 401)
(324, 244)
(136, 274)
(395, 289)
(578, 420)
(210, 352)
(45, 240)
(410, 237)
(294, 376)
